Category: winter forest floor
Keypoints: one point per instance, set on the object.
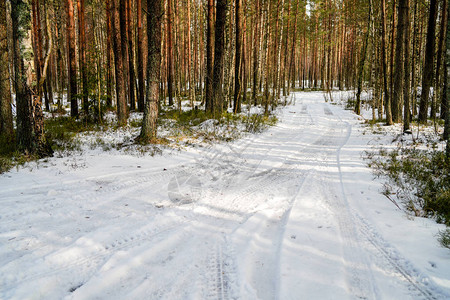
(290, 213)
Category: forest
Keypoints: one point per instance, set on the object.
(227, 149)
(89, 57)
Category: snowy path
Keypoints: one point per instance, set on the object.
(289, 214)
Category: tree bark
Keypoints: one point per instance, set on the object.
(383, 55)
(82, 56)
(6, 118)
(219, 53)
(149, 125)
(440, 57)
(399, 64)
(140, 58)
(72, 64)
(407, 66)
(209, 58)
(362, 62)
(109, 77)
(170, 70)
(23, 99)
(427, 78)
(119, 65)
(447, 88)
(237, 66)
(130, 58)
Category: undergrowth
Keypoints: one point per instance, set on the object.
(420, 179)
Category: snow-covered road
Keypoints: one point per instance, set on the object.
(292, 213)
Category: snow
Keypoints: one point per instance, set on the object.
(291, 213)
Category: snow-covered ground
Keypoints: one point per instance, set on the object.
(292, 213)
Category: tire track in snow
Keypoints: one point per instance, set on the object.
(417, 281)
(90, 261)
(359, 275)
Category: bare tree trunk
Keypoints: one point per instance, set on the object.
(440, 57)
(447, 88)
(119, 65)
(149, 125)
(82, 56)
(189, 59)
(170, 70)
(72, 64)
(256, 50)
(109, 77)
(237, 67)
(399, 64)
(407, 67)
(209, 58)
(427, 78)
(362, 62)
(140, 58)
(130, 58)
(41, 146)
(383, 57)
(6, 118)
(23, 103)
(219, 53)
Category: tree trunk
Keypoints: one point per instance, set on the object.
(399, 64)
(383, 57)
(447, 88)
(170, 70)
(23, 100)
(109, 77)
(119, 65)
(427, 78)
(6, 118)
(209, 58)
(72, 64)
(407, 67)
(82, 56)
(256, 50)
(130, 58)
(237, 66)
(440, 57)
(362, 62)
(41, 146)
(149, 125)
(140, 58)
(219, 53)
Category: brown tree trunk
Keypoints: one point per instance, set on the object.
(440, 58)
(122, 15)
(149, 125)
(6, 118)
(23, 103)
(119, 65)
(209, 58)
(383, 57)
(237, 66)
(170, 70)
(130, 58)
(109, 77)
(427, 77)
(256, 51)
(72, 64)
(407, 67)
(362, 62)
(219, 53)
(140, 58)
(82, 56)
(399, 64)
(41, 146)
